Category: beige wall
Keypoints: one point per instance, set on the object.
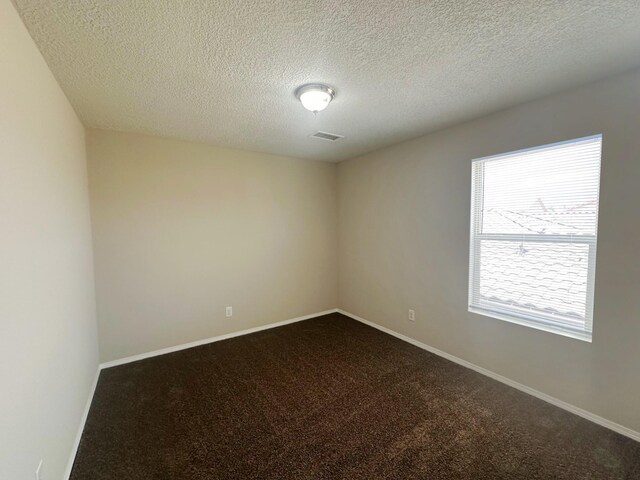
(48, 344)
(182, 230)
(404, 242)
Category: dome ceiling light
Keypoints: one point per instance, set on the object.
(315, 97)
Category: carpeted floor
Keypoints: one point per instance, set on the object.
(330, 398)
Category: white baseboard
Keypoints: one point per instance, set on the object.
(627, 432)
(197, 343)
(83, 420)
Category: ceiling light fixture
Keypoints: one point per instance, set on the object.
(315, 97)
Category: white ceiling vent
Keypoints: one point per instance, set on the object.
(332, 137)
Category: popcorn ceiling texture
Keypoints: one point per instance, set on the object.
(224, 71)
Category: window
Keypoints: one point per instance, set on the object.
(534, 223)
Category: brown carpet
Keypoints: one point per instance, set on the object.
(330, 398)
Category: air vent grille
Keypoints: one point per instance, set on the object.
(332, 137)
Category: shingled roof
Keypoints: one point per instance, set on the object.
(545, 277)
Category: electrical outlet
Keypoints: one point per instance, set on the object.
(229, 311)
(39, 471)
(412, 315)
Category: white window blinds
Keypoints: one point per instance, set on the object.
(534, 222)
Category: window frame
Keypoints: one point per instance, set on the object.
(515, 314)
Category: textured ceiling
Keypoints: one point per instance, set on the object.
(224, 71)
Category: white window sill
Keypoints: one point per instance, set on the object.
(584, 336)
